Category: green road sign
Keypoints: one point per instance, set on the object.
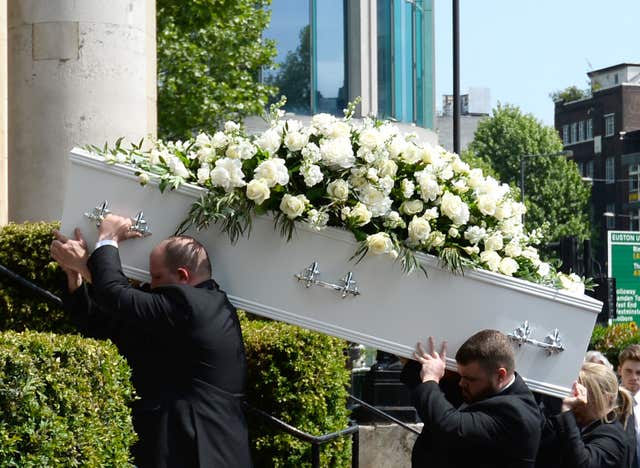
(624, 266)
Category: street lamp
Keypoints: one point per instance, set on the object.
(567, 153)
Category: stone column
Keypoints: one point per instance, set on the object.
(3, 114)
(79, 72)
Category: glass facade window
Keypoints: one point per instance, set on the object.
(291, 29)
(589, 169)
(611, 220)
(609, 125)
(574, 132)
(385, 59)
(589, 129)
(610, 170)
(581, 127)
(565, 134)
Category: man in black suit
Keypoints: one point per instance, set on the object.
(182, 339)
(499, 423)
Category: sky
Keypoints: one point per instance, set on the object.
(522, 50)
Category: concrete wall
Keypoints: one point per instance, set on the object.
(386, 446)
(79, 72)
(3, 114)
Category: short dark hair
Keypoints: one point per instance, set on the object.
(187, 252)
(490, 348)
(630, 353)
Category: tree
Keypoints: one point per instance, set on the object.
(210, 53)
(554, 190)
(570, 93)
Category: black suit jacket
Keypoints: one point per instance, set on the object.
(500, 431)
(185, 349)
(597, 445)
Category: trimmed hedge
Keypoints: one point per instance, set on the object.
(63, 402)
(611, 340)
(300, 377)
(24, 249)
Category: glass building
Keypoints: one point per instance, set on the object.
(332, 51)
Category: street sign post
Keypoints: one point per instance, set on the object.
(624, 266)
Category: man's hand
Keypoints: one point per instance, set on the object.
(433, 363)
(577, 399)
(71, 255)
(117, 228)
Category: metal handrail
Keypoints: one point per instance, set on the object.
(386, 416)
(315, 441)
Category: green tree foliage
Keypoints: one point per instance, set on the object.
(570, 93)
(210, 53)
(292, 79)
(554, 191)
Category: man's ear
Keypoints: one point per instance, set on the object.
(184, 275)
(502, 374)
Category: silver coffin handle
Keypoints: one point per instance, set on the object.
(139, 224)
(552, 342)
(311, 277)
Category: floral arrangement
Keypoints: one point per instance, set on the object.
(397, 195)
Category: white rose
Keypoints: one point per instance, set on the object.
(513, 249)
(393, 220)
(429, 154)
(387, 168)
(431, 213)
(531, 253)
(494, 242)
(379, 243)
(475, 178)
(411, 207)
(269, 141)
(397, 146)
(503, 210)
(459, 166)
(227, 174)
(571, 283)
(258, 191)
(312, 174)
(203, 140)
(472, 250)
(544, 269)
(240, 149)
(273, 172)
(293, 206)
(419, 230)
(338, 190)
(203, 173)
(407, 187)
(154, 157)
(219, 140)
(370, 138)
(508, 266)
(311, 153)
(177, 168)
(372, 174)
(487, 204)
(475, 234)
(454, 208)
(411, 154)
(359, 215)
(322, 123)
(143, 178)
(436, 239)
(460, 186)
(295, 141)
(339, 129)
(428, 183)
(491, 259)
(453, 232)
(231, 127)
(337, 153)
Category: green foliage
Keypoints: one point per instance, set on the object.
(300, 377)
(611, 340)
(24, 249)
(63, 402)
(210, 53)
(570, 93)
(554, 190)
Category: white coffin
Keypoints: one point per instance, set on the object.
(392, 312)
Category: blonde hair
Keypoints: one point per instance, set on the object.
(604, 395)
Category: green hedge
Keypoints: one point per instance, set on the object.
(24, 249)
(63, 402)
(611, 340)
(300, 377)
